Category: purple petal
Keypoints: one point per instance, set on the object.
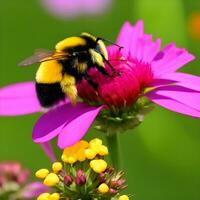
(172, 105)
(47, 147)
(19, 99)
(51, 123)
(171, 60)
(183, 95)
(185, 80)
(77, 128)
(33, 190)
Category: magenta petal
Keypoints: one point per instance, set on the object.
(172, 105)
(19, 99)
(170, 59)
(77, 128)
(185, 80)
(124, 36)
(51, 123)
(136, 38)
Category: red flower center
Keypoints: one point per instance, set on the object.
(122, 87)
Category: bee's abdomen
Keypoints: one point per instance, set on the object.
(49, 94)
(49, 72)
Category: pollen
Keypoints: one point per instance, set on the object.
(51, 180)
(42, 173)
(57, 167)
(98, 165)
(103, 188)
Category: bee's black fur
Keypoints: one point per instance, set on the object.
(49, 94)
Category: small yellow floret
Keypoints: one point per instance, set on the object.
(95, 141)
(44, 196)
(42, 173)
(55, 196)
(90, 153)
(57, 167)
(103, 188)
(51, 180)
(98, 165)
(75, 153)
(71, 160)
(123, 197)
(103, 150)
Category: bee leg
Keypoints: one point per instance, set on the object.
(91, 82)
(102, 70)
(68, 85)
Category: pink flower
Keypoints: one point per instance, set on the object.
(11, 171)
(13, 180)
(143, 70)
(69, 8)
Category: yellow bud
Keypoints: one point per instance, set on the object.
(64, 158)
(123, 197)
(71, 160)
(103, 188)
(98, 166)
(51, 180)
(103, 150)
(90, 153)
(95, 141)
(55, 196)
(44, 196)
(42, 173)
(57, 167)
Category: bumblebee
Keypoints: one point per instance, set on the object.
(59, 71)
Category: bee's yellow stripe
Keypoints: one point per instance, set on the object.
(70, 42)
(49, 72)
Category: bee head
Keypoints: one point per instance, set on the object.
(99, 45)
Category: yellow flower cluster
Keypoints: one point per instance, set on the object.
(79, 152)
(84, 150)
(50, 179)
(47, 196)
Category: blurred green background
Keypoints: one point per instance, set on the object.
(162, 156)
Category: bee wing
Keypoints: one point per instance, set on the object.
(39, 56)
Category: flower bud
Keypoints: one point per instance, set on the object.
(44, 196)
(80, 177)
(57, 167)
(118, 183)
(42, 173)
(55, 196)
(68, 180)
(51, 180)
(98, 165)
(123, 197)
(112, 191)
(103, 188)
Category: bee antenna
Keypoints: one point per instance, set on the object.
(105, 40)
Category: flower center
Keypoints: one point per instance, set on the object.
(122, 87)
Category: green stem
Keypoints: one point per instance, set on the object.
(114, 146)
